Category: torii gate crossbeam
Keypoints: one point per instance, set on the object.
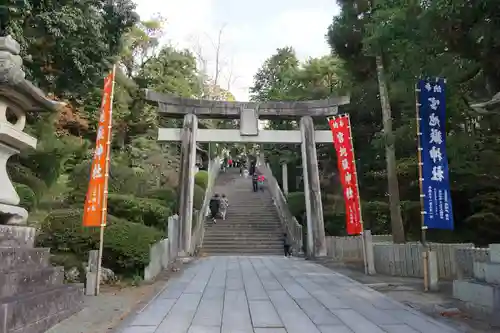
(249, 114)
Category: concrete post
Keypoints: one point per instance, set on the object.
(173, 236)
(186, 180)
(433, 272)
(284, 172)
(370, 258)
(315, 224)
(90, 289)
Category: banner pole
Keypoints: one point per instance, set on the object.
(420, 184)
(105, 198)
(363, 243)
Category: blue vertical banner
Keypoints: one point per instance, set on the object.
(438, 213)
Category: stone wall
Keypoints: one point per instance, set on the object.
(345, 249)
(159, 259)
(403, 259)
(406, 259)
(163, 253)
(465, 259)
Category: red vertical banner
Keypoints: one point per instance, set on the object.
(342, 140)
(96, 199)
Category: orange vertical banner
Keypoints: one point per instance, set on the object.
(95, 202)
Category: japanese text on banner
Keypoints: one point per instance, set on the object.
(345, 156)
(95, 200)
(438, 212)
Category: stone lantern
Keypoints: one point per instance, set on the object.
(17, 96)
(33, 296)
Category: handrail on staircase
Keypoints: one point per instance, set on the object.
(289, 222)
(198, 232)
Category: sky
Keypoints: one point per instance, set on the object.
(251, 32)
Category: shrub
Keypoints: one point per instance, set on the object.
(126, 244)
(27, 196)
(296, 204)
(167, 196)
(122, 179)
(23, 175)
(201, 179)
(199, 195)
(377, 217)
(150, 212)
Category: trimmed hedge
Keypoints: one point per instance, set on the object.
(201, 179)
(23, 175)
(199, 195)
(126, 244)
(150, 212)
(27, 196)
(167, 196)
(122, 179)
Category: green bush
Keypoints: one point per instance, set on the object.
(199, 195)
(201, 179)
(377, 217)
(27, 196)
(150, 212)
(68, 261)
(23, 175)
(122, 179)
(296, 204)
(167, 196)
(126, 244)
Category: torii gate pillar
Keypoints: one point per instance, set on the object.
(316, 242)
(249, 114)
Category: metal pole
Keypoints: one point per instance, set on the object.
(363, 244)
(105, 198)
(420, 180)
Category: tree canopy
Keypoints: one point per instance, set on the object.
(454, 39)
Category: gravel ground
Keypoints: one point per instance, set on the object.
(104, 313)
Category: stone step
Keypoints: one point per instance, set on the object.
(264, 242)
(261, 213)
(253, 207)
(249, 220)
(244, 237)
(23, 258)
(243, 231)
(17, 236)
(243, 254)
(237, 251)
(243, 225)
(222, 224)
(37, 312)
(276, 246)
(30, 280)
(235, 234)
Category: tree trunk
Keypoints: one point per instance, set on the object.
(398, 235)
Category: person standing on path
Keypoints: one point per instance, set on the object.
(224, 203)
(286, 245)
(214, 207)
(255, 180)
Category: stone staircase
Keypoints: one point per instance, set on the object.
(33, 297)
(252, 225)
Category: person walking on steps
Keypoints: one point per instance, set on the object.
(286, 245)
(261, 182)
(224, 203)
(214, 207)
(255, 182)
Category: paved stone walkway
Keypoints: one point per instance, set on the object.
(273, 295)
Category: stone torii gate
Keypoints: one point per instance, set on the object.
(249, 114)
